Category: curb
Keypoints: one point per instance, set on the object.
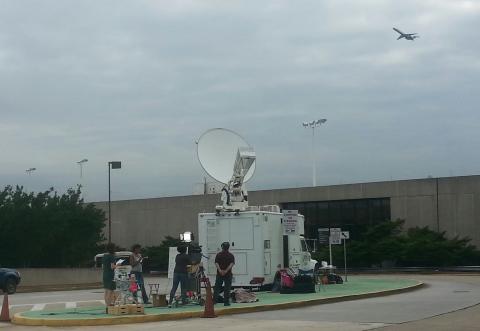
(22, 320)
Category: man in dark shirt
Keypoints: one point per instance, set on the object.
(180, 274)
(224, 262)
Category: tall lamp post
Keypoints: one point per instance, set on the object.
(111, 165)
(29, 172)
(80, 163)
(312, 125)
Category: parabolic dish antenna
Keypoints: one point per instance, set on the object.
(217, 151)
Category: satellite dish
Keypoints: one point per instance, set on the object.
(217, 151)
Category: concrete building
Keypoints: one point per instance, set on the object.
(450, 204)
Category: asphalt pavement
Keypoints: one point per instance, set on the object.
(448, 302)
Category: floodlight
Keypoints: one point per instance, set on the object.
(186, 237)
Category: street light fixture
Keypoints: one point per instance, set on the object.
(186, 237)
(312, 125)
(80, 163)
(112, 165)
(29, 170)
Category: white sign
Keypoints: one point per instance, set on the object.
(345, 235)
(172, 254)
(335, 236)
(290, 224)
(323, 236)
(290, 212)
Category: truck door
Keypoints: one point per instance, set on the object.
(241, 233)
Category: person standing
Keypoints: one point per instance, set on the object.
(224, 261)
(108, 266)
(136, 261)
(180, 274)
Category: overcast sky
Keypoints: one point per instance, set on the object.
(140, 81)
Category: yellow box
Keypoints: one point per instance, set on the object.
(136, 309)
(118, 310)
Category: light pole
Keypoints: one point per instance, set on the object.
(80, 163)
(312, 125)
(112, 165)
(29, 172)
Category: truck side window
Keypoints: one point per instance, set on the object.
(304, 245)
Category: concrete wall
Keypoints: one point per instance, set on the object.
(148, 221)
(59, 276)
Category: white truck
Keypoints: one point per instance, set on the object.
(259, 240)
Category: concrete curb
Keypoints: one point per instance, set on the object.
(22, 320)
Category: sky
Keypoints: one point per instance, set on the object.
(140, 81)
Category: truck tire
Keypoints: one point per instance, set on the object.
(10, 286)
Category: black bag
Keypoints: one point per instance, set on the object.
(301, 284)
(338, 279)
(334, 279)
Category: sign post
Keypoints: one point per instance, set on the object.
(335, 239)
(345, 235)
(324, 239)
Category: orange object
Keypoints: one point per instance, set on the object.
(5, 315)
(209, 311)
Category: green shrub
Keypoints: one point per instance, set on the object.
(158, 255)
(417, 247)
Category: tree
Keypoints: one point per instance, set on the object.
(424, 247)
(417, 247)
(47, 229)
(158, 255)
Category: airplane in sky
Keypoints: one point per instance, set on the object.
(408, 36)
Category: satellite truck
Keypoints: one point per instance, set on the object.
(261, 238)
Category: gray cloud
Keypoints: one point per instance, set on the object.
(140, 81)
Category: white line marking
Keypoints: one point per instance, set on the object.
(70, 305)
(58, 302)
(38, 306)
(46, 296)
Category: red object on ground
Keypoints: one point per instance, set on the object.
(286, 279)
(209, 311)
(5, 315)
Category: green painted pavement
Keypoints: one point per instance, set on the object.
(354, 286)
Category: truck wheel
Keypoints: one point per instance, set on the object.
(11, 286)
